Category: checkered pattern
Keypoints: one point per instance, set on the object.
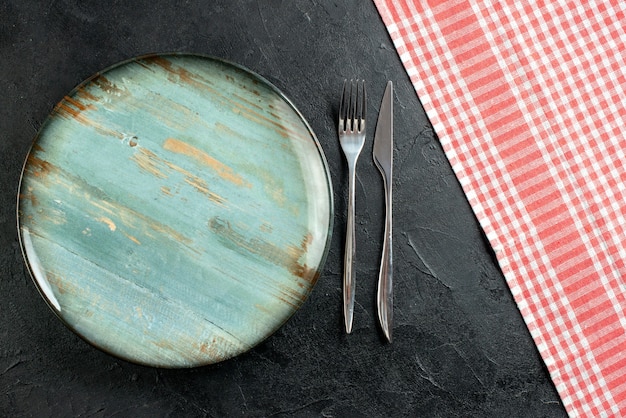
(527, 98)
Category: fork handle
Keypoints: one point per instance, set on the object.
(384, 297)
(349, 274)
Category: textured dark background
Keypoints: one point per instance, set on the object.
(460, 348)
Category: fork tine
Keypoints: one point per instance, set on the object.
(351, 107)
(342, 106)
(354, 97)
(361, 104)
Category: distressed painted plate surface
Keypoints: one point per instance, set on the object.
(175, 210)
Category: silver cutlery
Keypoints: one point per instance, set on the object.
(351, 129)
(383, 157)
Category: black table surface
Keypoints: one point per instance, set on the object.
(460, 347)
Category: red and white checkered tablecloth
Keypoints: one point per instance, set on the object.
(528, 100)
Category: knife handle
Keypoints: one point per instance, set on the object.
(349, 273)
(384, 297)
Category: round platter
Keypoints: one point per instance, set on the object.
(175, 210)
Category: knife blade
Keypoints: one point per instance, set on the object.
(383, 158)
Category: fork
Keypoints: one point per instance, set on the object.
(351, 132)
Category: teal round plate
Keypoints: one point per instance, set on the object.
(175, 210)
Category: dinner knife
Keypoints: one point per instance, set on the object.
(383, 158)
